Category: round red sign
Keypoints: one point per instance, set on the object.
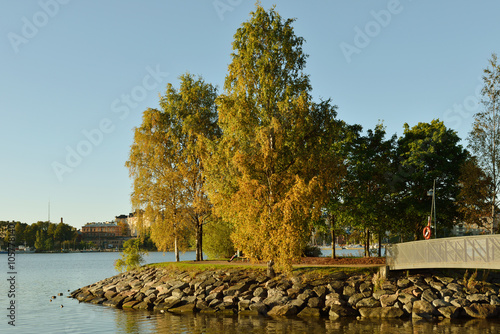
(427, 233)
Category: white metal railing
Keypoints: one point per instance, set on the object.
(481, 252)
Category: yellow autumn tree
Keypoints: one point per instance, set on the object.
(166, 164)
(270, 172)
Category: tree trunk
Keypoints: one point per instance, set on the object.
(332, 225)
(379, 244)
(367, 243)
(199, 238)
(176, 250)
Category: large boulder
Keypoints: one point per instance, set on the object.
(283, 310)
(388, 300)
(450, 312)
(422, 309)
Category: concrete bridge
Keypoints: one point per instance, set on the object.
(471, 252)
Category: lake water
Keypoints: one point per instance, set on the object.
(40, 276)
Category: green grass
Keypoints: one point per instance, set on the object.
(308, 273)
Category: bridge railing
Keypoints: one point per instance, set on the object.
(481, 252)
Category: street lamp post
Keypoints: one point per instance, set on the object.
(433, 205)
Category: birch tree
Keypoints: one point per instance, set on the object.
(166, 164)
(273, 166)
(484, 139)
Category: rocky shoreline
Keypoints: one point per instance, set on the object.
(337, 294)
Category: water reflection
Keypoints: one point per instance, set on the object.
(146, 322)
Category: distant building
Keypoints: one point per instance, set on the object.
(104, 235)
(132, 220)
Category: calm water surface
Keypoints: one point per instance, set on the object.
(40, 276)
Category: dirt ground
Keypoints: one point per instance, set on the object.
(368, 261)
(319, 261)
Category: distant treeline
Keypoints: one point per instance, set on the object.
(43, 235)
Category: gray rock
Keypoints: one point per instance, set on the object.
(494, 300)
(436, 285)
(171, 302)
(320, 291)
(450, 312)
(405, 298)
(334, 299)
(365, 287)
(446, 292)
(243, 305)
(283, 310)
(388, 300)
(440, 303)
(389, 286)
(403, 283)
(306, 295)
(260, 292)
(445, 280)
(355, 298)
(293, 292)
(309, 312)
(336, 286)
(315, 302)
(377, 294)
(238, 288)
(259, 307)
(423, 310)
(460, 302)
(349, 291)
(178, 293)
(455, 287)
(338, 311)
(368, 302)
(189, 299)
(229, 299)
(300, 303)
(408, 307)
(428, 295)
(381, 312)
(478, 298)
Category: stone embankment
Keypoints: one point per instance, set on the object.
(251, 292)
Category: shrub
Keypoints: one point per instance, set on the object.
(131, 257)
(312, 251)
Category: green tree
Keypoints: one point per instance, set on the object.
(474, 199)
(272, 167)
(217, 239)
(367, 192)
(131, 257)
(166, 164)
(428, 152)
(338, 216)
(484, 139)
(40, 242)
(19, 230)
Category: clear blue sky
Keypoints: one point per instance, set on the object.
(76, 76)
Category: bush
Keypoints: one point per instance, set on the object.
(312, 251)
(131, 257)
(217, 241)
